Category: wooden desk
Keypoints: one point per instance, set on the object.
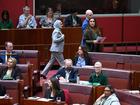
(8, 101)
(36, 102)
(129, 98)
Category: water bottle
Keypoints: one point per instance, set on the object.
(78, 79)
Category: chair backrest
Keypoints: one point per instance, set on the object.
(127, 98)
(29, 56)
(78, 93)
(114, 60)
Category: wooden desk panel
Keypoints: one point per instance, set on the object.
(126, 97)
(8, 101)
(35, 102)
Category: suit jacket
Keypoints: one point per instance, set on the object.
(57, 41)
(16, 73)
(69, 21)
(62, 73)
(3, 54)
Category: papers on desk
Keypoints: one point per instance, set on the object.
(2, 97)
(134, 91)
(88, 83)
(100, 39)
(85, 83)
(44, 99)
(33, 98)
(39, 99)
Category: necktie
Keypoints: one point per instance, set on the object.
(8, 56)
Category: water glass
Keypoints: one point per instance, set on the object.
(58, 99)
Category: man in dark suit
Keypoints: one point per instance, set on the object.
(73, 20)
(4, 55)
(67, 73)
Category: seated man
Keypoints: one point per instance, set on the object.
(98, 77)
(26, 20)
(67, 73)
(11, 71)
(4, 55)
(108, 97)
(73, 20)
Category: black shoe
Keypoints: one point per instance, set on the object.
(43, 76)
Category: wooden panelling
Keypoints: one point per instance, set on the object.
(40, 39)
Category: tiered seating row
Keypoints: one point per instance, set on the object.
(118, 78)
(113, 60)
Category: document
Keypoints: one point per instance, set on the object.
(100, 39)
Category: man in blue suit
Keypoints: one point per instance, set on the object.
(8, 53)
(89, 15)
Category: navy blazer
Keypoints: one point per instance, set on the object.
(16, 73)
(3, 53)
(72, 77)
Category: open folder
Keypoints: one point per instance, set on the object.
(100, 39)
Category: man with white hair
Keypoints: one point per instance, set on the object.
(89, 15)
(67, 73)
(26, 20)
(98, 77)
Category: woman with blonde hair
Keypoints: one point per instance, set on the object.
(11, 71)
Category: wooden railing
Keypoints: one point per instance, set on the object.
(121, 47)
